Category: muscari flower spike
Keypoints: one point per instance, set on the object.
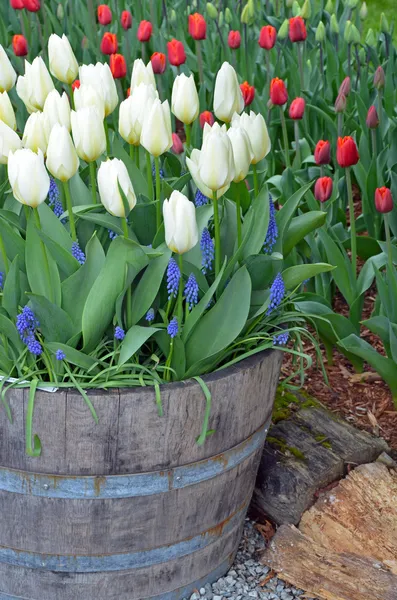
(112, 234)
(26, 324)
(78, 253)
(207, 250)
(191, 291)
(1, 280)
(60, 355)
(150, 315)
(154, 171)
(173, 328)
(119, 333)
(281, 339)
(53, 192)
(277, 293)
(272, 230)
(173, 278)
(200, 199)
(58, 208)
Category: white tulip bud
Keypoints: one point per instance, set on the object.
(57, 109)
(9, 142)
(228, 97)
(62, 160)
(100, 77)
(132, 112)
(216, 164)
(111, 174)
(34, 87)
(88, 133)
(142, 74)
(7, 72)
(255, 126)
(7, 114)
(193, 166)
(37, 132)
(185, 101)
(86, 95)
(156, 136)
(242, 152)
(28, 177)
(181, 232)
(63, 63)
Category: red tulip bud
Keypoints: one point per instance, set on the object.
(297, 29)
(347, 152)
(322, 153)
(144, 31)
(177, 146)
(278, 92)
(383, 200)
(345, 87)
(76, 84)
(104, 14)
(109, 43)
(159, 61)
(379, 78)
(118, 66)
(19, 45)
(234, 39)
(206, 117)
(323, 189)
(32, 5)
(197, 26)
(248, 92)
(340, 103)
(176, 53)
(372, 118)
(267, 37)
(17, 4)
(126, 19)
(297, 109)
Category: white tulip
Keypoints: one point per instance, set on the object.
(63, 63)
(57, 109)
(87, 95)
(142, 74)
(7, 72)
(111, 173)
(216, 164)
(181, 232)
(34, 87)
(228, 97)
(101, 78)
(7, 114)
(28, 177)
(62, 160)
(242, 152)
(193, 166)
(132, 112)
(37, 132)
(88, 133)
(255, 126)
(9, 142)
(156, 136)
(185, 101)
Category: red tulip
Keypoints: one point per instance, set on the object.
(197, 26)
(248, 92)
(383, 200)
(206, 117)
(297, 109)
(267, 37)
(144, 31)
(234, 39)
(345, 87)
(158, 60)
(19, 45)
(340, 103)
(323, 189)
(176, 53)
(126, 19)
(32, 5)
(177, 146)
(104, 14)
(128, 92)
(109, 43)
(322, 153)
(118, 66)
(347, 153)
(76, 84)
(297, 29)
(17, 4)
(278, 92)
(379, 78)
(372, 118)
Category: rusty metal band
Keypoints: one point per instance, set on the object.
(129, 486)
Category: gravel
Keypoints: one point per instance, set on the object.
(245, 579)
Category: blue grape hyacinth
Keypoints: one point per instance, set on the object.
(207, 251)
(173, 328)
(1, 280)
(27, 324)
(281, 339)
(200, 199)
(191, 291)
(78, 253)
(60, 355)
(150, 315)
(119, 333)
(53, 192)
(272, 230)
(173, 278)
(277, 293)
(112, 234)
(154, 171)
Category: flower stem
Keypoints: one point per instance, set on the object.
(4, 255)
(217, 228)
(349, 60)
(200, 62)
(285, 136)
(180, 294)
(188, 133)
(238, 206)
(340, 124)
(297, 144)
(389, 244)
(255, 176)
(158, 191)
(137, 156)
(71, 97)
(380, 109)
(124, 226)
(93, 182)
(105, 124)
(149, 176)
(45, 257)
(299, 49)
(373, 136)
(132, 153)
(352, 222)
(70, 211)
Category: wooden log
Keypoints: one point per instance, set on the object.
(326, 574)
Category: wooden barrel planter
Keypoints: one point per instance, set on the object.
(131, 508)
